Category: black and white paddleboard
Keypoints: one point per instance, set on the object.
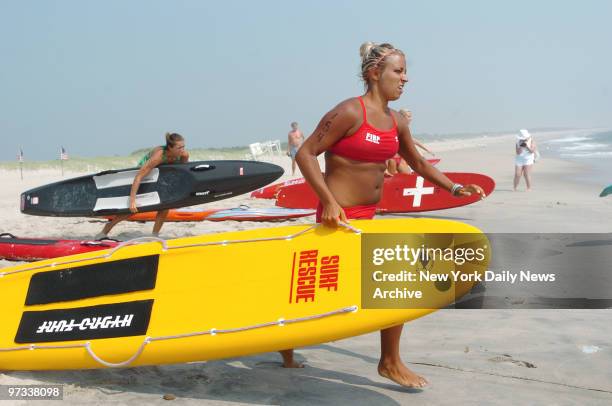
(165, 187)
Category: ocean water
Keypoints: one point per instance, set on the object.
(594, 150)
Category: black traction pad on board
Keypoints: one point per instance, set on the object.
(106, 278)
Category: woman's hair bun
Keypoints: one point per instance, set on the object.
(365, 48)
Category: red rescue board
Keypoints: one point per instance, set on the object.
(402, 193)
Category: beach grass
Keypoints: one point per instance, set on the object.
(100, 163)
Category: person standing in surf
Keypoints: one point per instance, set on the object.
(295, 138)
(173, 152)
(358, 136)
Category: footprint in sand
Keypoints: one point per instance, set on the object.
(508, 358)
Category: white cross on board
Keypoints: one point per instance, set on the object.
(418, 191)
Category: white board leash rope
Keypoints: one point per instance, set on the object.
(87, 345)
(143, 240)
(212, 332)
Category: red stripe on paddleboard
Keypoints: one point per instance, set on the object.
(292, 272)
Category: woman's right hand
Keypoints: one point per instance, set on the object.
(133, 207)
(332, 214)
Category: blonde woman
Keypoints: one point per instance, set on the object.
(358, 136)
(173, 152)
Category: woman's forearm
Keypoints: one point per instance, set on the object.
(144, 171)
(429, 172)
(135, 186)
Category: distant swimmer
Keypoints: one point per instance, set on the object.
(397, 164)
(173, 152)
(526, 153)
(295, 139)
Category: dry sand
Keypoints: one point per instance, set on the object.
(469, 356)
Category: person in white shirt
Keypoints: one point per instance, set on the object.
(526, 149)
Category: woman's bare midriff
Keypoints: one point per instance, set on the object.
(354, 183)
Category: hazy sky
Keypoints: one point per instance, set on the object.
(109, 77)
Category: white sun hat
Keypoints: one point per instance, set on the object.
(523, 135)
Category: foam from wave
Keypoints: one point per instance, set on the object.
(584, 147)
(595, 154)
(569, 139)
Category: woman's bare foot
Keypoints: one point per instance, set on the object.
(400, 374)
(288, 361)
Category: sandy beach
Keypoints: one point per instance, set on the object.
(469, 356)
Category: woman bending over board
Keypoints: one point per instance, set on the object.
(358, 136)
(173, 152)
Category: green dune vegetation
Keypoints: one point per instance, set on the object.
(95, 164)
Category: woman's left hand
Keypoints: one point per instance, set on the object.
(408, 116)
(467, 190)
(133, 207)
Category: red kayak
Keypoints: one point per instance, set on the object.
(34, 249)
(269, 192)
(402, 193)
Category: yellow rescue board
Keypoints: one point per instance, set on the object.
(208, 297)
